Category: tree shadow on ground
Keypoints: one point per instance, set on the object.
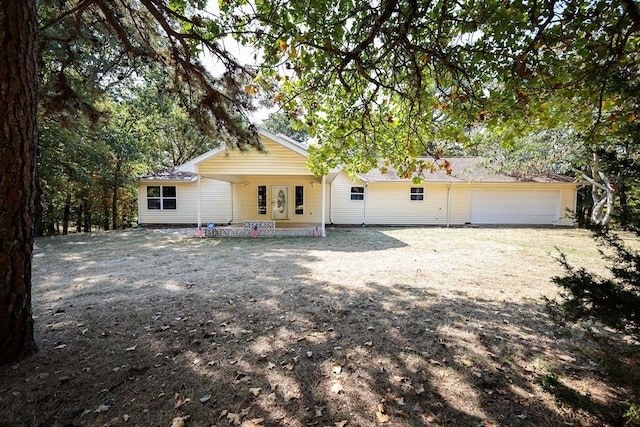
(234, 343)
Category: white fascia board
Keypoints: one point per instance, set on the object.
(169, 180)
(362, 178)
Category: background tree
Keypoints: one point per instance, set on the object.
(279, 122)
(90, 46)
(170, 124)
(84, 47)
(18, 141)
(101, 61)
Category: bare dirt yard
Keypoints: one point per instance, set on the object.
(366, 327)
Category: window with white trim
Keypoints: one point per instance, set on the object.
(299, 193)
(357, 193)
(262, 199)
(417, 193)
(161, 197)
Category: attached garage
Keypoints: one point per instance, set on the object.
(514, 206)
(473, 191)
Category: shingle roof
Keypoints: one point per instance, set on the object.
(169, 174)
(463, 169)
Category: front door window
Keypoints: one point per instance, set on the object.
(280, 202)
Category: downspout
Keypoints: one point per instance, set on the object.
(449, 204)
(469, 202)
(324, 207)
(232, 201)
(364, 209)
(331, 203)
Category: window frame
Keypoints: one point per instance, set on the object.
(161, 200)
(357, 195)
(261, 195)
(298, 200)
(416, 196)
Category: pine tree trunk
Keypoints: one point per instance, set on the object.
(87, 215)
(79, 218)
(38, 214)
(114, 199)
(66, 216)
(18, 141)
(105, 215)
(50, 224)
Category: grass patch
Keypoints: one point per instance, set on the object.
(392, 326)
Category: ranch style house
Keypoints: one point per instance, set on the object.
(231, 187)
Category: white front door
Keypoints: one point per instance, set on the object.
(280, 202)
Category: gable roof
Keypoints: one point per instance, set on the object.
(463, 169)
(283, 140)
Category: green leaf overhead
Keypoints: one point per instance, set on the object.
(392, 78)
(87, 47)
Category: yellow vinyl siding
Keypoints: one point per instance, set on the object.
(215, 205)
(390, 203)
(276, 160)
(343, 209)
(245, 198)
(567, 205)
(459, 204)
(215, 201)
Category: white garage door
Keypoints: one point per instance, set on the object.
(514, 207)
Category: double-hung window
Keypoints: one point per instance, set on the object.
(417, 193)
(357, 193)
(161, 197)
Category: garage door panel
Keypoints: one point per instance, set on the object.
(514, 207)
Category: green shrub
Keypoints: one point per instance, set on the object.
(615, 301)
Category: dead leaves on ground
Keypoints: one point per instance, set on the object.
(239, 419)
(337, 388)
(181, 400)
(180, 421)
(338, 384)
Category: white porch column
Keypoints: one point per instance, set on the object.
(324, 203)
(199, 215)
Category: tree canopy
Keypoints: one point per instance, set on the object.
(90, 47)
(390, 78)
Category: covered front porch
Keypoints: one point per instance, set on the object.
(271, 189)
